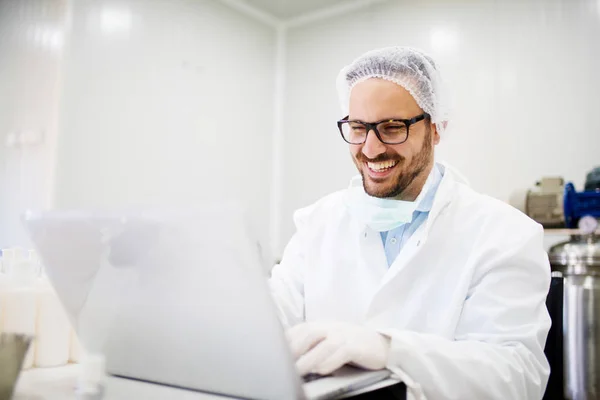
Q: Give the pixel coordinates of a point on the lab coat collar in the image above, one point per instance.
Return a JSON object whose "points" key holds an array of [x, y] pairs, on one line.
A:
{"points": [[445, 193], [433, 182]]}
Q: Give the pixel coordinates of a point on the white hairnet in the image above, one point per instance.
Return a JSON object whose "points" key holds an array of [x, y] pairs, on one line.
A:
{"points": [[410, 68]]}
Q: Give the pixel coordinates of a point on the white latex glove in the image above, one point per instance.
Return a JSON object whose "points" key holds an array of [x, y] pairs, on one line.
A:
{"points": [[323, 347]]}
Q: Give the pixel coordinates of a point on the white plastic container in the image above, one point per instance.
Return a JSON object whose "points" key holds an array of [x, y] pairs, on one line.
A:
{"points": [[53, 329], [20, 303]]}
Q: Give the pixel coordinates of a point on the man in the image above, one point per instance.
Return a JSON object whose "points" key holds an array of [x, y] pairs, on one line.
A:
{"points": [[409, 269]]}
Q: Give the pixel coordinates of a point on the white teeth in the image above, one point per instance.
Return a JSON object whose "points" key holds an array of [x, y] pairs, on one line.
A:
{"points": [[380, 166]]}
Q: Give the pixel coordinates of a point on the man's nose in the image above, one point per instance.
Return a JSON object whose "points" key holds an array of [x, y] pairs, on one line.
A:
{"points": [[373, 147]]}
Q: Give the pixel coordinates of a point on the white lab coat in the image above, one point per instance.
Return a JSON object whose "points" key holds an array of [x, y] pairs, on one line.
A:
{"points": [[463, 303]]}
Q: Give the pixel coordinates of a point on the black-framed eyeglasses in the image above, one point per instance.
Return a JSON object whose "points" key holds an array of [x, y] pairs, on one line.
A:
{"points": [[388, 131]]}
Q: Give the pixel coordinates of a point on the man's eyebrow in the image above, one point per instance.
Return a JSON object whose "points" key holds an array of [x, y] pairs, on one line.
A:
{"points": [[378, 121]]}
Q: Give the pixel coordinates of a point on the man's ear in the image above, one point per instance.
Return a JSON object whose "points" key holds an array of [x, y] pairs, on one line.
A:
{"points": [[436, 134]]}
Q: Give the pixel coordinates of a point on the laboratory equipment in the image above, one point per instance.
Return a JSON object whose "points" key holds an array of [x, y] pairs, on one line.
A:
{"points": [[577, 262], [592, 181], [580, 204], [544, 202]]}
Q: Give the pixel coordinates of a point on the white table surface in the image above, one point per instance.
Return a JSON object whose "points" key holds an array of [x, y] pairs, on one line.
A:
{"points": [[59, 384], [47, 383]]}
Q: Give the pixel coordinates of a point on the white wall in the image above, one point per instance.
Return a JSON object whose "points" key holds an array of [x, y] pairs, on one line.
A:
{"points": [[31, 37], [171, 102], [166, 102], [524, 77]]}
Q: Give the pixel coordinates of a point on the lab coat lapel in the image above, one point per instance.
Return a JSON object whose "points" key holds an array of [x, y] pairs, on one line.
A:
{"points": [[372, 253], [443, 198]]}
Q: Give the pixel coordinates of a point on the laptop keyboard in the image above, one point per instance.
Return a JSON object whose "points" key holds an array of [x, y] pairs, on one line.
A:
{"points": [[313, 377]]}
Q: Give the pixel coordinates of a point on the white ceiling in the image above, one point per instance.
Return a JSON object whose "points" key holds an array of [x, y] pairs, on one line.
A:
{"points": [[288, 9]]}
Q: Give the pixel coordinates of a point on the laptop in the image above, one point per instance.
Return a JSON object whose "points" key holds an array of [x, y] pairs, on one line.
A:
{"points": [[177, 299]]}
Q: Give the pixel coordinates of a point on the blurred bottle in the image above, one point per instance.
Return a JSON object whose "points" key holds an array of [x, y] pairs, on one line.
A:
{"points": [[20, 301], [53, 329]]}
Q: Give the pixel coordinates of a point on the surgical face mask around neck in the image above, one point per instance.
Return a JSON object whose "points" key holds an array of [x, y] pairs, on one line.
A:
{"points": [[380, 214]]}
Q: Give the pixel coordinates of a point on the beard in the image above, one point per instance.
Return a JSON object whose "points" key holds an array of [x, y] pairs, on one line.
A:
{"points": [[406, 174]]}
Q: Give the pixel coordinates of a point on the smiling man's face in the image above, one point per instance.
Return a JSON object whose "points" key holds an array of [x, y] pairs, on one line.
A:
{"points": [[398, 170]]}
